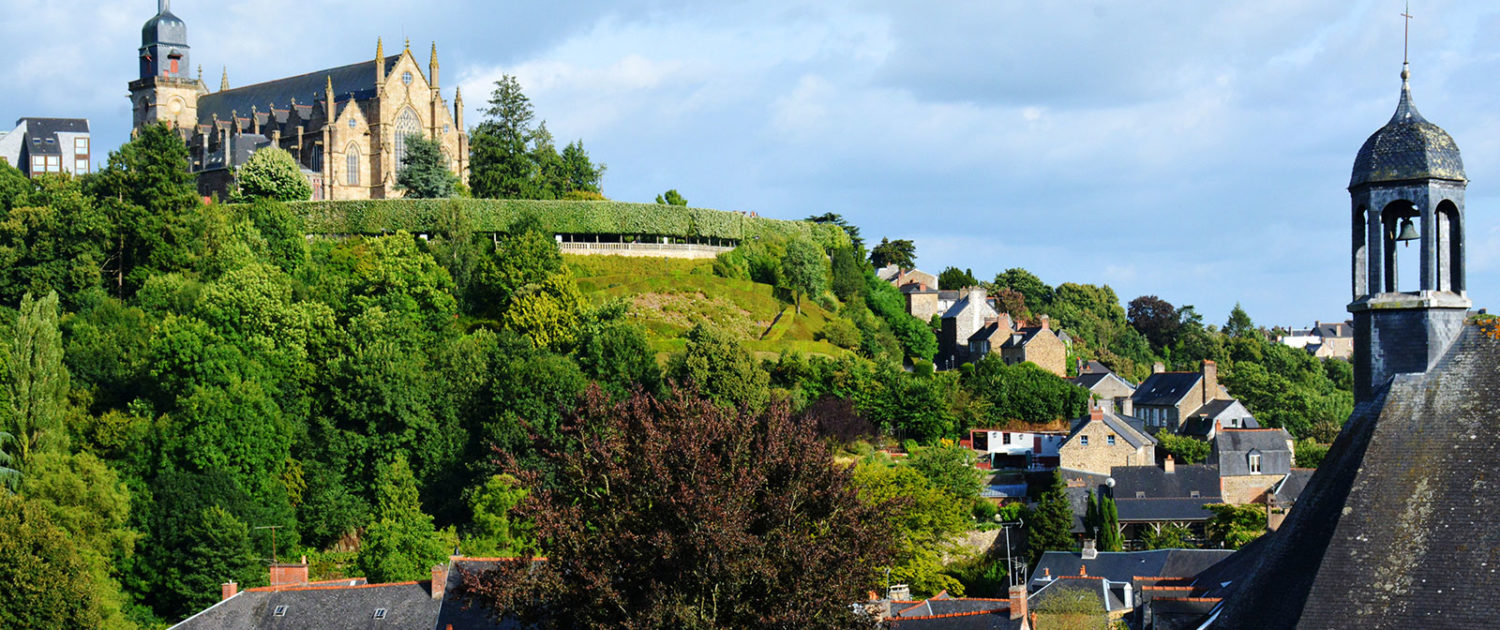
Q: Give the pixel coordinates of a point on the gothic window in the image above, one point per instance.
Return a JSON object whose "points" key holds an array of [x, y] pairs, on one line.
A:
{"points": [[351, 165], [406, 125], [406, 78]]}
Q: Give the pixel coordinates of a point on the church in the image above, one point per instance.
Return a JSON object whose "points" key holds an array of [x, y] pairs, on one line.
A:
{"points": [[346, 126]]}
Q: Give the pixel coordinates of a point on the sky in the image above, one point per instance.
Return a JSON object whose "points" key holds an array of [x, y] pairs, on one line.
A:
{"points": [[1196, 151]]}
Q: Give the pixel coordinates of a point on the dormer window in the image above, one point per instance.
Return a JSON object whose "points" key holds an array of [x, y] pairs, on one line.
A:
{"points": [[1140, 494], [1254, 460], [1193, 494]]}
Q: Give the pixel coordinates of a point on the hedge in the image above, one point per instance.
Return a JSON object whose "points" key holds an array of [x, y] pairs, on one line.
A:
{"points": [[563, 217]]}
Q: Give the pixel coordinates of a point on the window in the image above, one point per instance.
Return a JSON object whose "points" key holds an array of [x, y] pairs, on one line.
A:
{"points": [[80, 166], [173, 69], [351, 165], [279, 612], [54, 164], [1110, 440], [1083, 439], [1005, 438], [406, 78], [1254, 463], [1140, 494], [38, 164], [81, 146], [1193, 494], [353, 123], [445, 128], [380, 613], [406, 125]]}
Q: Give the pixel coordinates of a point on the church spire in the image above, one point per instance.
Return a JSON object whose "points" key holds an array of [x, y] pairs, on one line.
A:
{"points": [[379, 62], [432, 67], [224, 80]]}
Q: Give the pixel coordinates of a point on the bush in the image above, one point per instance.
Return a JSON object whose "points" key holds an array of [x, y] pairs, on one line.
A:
{"points": [[840, 332], [271, 173], [984, 511]]}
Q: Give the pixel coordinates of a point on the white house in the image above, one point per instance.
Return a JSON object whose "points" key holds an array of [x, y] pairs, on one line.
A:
{"points": [[1036, 450]]}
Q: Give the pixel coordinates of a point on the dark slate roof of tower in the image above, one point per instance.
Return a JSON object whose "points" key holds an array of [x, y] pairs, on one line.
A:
{"points": [[356, 80], [164, 28], [1395, 529], [1407, 148]]}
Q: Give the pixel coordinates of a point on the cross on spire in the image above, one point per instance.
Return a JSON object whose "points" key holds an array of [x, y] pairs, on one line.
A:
{"points": [[1406, 35]]}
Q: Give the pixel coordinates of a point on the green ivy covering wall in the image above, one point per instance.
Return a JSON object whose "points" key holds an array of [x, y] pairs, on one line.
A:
{"points": [[564, 217]]}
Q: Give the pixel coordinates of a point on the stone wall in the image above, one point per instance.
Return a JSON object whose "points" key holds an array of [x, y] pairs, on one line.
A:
{"points": [[1099, 456], [1242, 489]]}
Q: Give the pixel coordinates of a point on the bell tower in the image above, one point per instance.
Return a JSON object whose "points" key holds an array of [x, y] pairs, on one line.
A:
{"points": [[1407, 185], [165, 92]]}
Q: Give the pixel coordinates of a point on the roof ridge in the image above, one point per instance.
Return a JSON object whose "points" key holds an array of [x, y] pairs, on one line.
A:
{"points": [[950, 615], [387, 59], [327, 587]]}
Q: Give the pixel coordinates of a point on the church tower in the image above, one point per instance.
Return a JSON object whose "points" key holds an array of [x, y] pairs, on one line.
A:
{"points": [[165, 92], [1408, 185]]}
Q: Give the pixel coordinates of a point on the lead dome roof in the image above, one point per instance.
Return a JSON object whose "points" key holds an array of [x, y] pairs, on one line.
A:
{"points": [[1407, 148]]}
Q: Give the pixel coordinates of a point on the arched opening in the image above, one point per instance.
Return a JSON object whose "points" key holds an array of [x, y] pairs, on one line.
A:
{"points": [[1402, 269], [351, 165], [407, 124], [1450, 245], [1361, 227]]}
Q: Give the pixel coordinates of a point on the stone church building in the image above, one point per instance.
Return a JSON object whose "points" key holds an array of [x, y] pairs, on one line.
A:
{"points": [[347, 126]]}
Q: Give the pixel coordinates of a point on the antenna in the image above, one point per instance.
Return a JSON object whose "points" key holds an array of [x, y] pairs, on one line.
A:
{"points": [[273, 529], [1406, 35]]}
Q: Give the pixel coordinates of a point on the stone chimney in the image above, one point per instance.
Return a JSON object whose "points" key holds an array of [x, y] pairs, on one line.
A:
{"points": [[288, 574], [1018, 602], [899, 592], [1169, 465], [439, 580], [1210, 381], [1046, 323], [228, 590], [1158, 368], [1127, 406], [1090, 549]]}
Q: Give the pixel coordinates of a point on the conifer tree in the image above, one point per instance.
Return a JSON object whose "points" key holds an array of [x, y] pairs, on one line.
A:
{"points": [[1049, 525], [424, 171], [38, 382], [401, 542]]}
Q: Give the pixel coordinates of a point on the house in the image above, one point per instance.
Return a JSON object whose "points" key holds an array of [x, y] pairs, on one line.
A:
{"points": [[1166, 399], [1230, 414], [1134, 578], [1034, 450], [292, 602], [40, 146], [969, 314], [1106, 388], [1250, 462], [1105, 440], [1324, 340], [1155, 496], [924, 301], [1038, 345], [993, 335], [942, 612], [899, 277]]}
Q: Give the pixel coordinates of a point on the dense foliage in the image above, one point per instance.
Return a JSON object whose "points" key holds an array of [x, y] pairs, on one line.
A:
{"points": [[271, 173], [512, 158], [424, 172]]}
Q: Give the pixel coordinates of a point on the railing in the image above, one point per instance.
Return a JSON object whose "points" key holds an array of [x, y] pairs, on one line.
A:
{"points": [[643, 247]]}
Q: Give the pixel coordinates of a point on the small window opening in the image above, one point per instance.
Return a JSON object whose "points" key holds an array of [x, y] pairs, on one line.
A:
{"points": [[280, 612], [1140, 494], [380, 613]]}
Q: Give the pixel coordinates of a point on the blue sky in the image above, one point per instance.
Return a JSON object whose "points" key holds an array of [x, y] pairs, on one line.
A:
{"points": [[1197, 151]]}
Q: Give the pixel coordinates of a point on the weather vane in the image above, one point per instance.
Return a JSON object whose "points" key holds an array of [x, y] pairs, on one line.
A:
{"points": [[1406, 36]]}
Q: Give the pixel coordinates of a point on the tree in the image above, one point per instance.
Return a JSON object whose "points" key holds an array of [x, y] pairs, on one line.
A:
{"points": [[1185, 450], [720, 368], [949, 468], [1071, 609], [1037, 294], [145, 190], [500, 165], [546, 312], [424, 170], [1008, 300], [856, 242], [671, 198], [400, 542], [271, 173], [1239, 325], [686, 536], [38, 385], [47, 583], [1049, 524], [805, 270], [1234, 526], [1155, 318], [1166, 536], [901, 253], [220, 552], [953, 279], [924, 521], [848, 274], [496, 531], [1110, 538], [580, 173], [1310, 453]]}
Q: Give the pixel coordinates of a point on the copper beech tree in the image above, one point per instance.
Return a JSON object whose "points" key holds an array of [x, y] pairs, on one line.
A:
{"points": [[676, 512]]}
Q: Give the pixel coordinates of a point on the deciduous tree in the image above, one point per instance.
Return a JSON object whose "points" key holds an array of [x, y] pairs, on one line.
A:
{"points": [[805, 270], [400, 542], [901, 253], [271, 173], [37, 387], [671, 198]]}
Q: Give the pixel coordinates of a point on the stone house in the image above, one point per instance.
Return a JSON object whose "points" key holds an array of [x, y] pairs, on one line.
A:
{"points": [[1107, 390], [966, 317], [1037, 344], [1150, 497], [923, 301], [995, 332], [906, 277], [1325, 340], [1251, 462], [1166, 399], [1206, 421], [1103, 441]]}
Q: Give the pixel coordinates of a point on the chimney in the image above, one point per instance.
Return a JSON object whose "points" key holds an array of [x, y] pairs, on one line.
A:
{"points": [[1127, 406], [1210, 381], [1169, 465], [1046, 323], [287, 574], [1158, 368], [1129, 597], [1218, 426], [1083, 570], [228, 590], [439, 580], [1017, 602], [1081, 364], [899, 592], [1047, 574], [1090, 549], [1096, 413]]}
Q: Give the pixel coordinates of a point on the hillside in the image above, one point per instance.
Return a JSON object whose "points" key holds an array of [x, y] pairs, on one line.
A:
{"points": [[669, 296]]}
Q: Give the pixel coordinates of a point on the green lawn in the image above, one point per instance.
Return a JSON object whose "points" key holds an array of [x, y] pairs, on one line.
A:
{"points": [[669, 296]]}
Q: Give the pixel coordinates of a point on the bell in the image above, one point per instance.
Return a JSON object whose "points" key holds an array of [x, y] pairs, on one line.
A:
{"points": [[1408, 232]]}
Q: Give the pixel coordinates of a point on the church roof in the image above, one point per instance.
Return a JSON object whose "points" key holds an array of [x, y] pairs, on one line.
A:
{"points": [[1406, 148], [164, 28], [1395, 527], [356, 80]]}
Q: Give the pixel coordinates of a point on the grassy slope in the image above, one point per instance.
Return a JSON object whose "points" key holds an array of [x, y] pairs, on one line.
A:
{"points": [[668, 296]]}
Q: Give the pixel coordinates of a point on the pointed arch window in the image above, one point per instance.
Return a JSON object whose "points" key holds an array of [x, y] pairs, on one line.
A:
{"points": [[351, 165], [407, 124]]}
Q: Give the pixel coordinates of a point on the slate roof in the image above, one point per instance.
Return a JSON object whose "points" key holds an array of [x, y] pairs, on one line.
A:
{"points": [[1286, 491], [1091, 584], [944, 605], [41, 133], [1078, 493], [323, 607], [1233, 446], [164, 28], [1123, 566], [1094, 367], [1386, 535], [1167, 496], [1166, 388], [1406, 148], [990, 330], [1022, 336], [999, 620], [356, 80], [1334, 329], [1089, 380], [963, 304], [1129, 429], [1180, 613]]}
